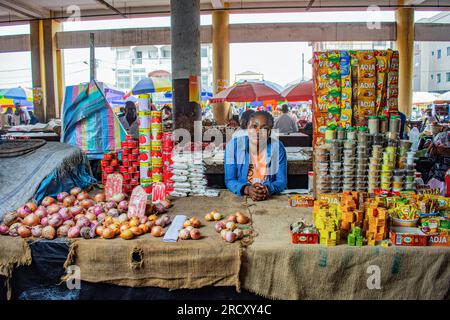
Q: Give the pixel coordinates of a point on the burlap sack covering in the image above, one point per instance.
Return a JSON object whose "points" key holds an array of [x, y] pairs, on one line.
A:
{"points": [[275, 268], [148, 261], [14, 252]]}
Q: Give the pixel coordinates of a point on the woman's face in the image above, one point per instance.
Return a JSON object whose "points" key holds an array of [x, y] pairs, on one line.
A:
{"points": [[258, 129]]}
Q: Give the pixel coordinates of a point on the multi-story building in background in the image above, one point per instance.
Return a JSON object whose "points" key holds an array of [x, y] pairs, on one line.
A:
{"points": [[135, 63], [432, 61], [351, 45]]}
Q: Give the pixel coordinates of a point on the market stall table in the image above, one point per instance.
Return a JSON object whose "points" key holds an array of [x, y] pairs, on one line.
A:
{"points": [[296, 139], [270, 266]]}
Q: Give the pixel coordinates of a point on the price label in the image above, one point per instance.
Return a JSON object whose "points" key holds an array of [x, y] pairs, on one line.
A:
{"points": [[138, 202], [158, 192], [114, 183]]}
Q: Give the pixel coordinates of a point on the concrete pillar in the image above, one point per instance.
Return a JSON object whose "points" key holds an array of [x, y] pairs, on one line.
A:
{"points": [[221, 62], [405, 46], [47, 68], [186, 61]]}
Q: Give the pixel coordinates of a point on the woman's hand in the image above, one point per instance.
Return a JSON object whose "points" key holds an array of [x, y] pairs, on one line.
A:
{"points": [[257, 192]]}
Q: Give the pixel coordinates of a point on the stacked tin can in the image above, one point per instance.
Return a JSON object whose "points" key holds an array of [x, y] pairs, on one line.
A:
{"points": [[156, 146], [130, 164], [322, 161], [374, 168], [167, 149], [362, 159], [335, 169], [349, 163], [109, 164], [410, 171], [387, 167], [144, 120]]}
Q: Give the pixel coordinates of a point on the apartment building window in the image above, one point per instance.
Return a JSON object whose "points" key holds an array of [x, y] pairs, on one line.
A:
{"points": [[204, 52], [432, 76], [153, 53], [438, 78], [439, 53], [123, 54], [138, 59], [448, 51], [432, 53], [165, 52], [447, 76]]}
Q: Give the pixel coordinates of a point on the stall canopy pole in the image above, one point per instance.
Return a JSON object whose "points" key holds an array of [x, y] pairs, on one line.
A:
{"points": [[93, 75]]}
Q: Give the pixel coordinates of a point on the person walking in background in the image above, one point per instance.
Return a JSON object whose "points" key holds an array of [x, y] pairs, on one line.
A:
{"points": [[10, 116], [285, 123], [129, 120]]}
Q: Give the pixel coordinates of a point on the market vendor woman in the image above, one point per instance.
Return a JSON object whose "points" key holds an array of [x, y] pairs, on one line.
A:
{"points": [[255, 164]]}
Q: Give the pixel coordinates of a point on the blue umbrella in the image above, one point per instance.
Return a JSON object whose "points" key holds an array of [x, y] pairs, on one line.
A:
{"points": [[15, 93], [124, 101], [150, 85], [206, 93]]}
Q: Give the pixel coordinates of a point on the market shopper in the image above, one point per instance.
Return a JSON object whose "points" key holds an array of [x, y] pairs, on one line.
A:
{"points": [[129, 120], [255, 164], [285, 123], [245, 117], [234, 122]]}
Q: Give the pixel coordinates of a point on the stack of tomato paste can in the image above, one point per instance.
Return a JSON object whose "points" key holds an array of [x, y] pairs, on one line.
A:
{"points": [[130, 164], [144, 121], [156, 146], [167, 148], [109, 164]]}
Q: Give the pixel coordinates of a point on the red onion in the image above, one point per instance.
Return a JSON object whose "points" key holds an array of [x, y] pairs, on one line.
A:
{"points": [[36, 231], [160, 222], [53, 208], [48, 233], [75, 191], [110, 205], [78, 216], [63, 230], [13, 229], [219, 226], [23, 211], [94, 224], [55, 220], [159, 208], [113, 213], [85, 232], [123, 217], [91, 216], [31, 220], [61, 196], [98, 209], [69, 201], [31, 205], [69, 223], [24, 231], [44, 221], [76, 210], [4, 229], [83, 196], [230, 236], [47, 201], [118, 197], [101, 217], [65, 214], [86, 203], [10, 218], [73, 232], [83, 222], [41, 212], [166, 219], [100, 197], [123, 206]]}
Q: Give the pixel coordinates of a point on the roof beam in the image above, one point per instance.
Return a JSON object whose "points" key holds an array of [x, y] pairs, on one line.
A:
{"points": [[217, 4], [111, 7], [25, 10]]}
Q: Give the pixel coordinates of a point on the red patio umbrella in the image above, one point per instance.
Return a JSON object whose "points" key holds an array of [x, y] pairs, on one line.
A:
{"points": [[247, 91], [302, 91]]}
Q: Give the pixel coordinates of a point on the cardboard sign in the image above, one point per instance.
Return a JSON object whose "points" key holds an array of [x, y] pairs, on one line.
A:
{"points": [[159, 192], [114, 183], [138, 202]]}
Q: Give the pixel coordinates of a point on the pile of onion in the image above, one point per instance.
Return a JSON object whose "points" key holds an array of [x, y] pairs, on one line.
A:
{"points": [[75, 214]]}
